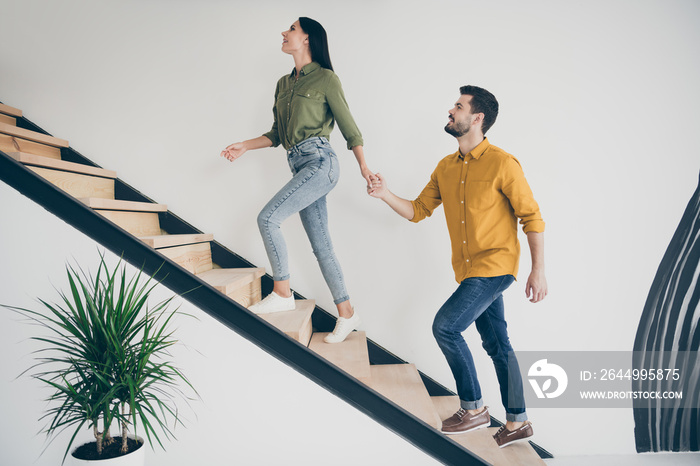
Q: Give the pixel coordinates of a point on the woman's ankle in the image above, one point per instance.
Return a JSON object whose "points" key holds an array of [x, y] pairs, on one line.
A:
{"points": [[282, 289], [345, 310]]}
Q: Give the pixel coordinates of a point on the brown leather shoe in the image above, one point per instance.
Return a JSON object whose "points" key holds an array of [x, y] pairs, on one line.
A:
{"points": [[505, 437], [462, 421]]}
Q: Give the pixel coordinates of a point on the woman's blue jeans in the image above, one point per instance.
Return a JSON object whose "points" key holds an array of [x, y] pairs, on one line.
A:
{"points": [[480, 300], [316, 170]]}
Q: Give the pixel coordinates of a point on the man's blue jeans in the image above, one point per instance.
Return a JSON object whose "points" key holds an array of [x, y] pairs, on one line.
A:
{"points": [[480, 300]]}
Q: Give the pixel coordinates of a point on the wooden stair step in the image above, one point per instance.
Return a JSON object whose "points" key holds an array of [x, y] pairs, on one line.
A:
{"points": [[351, 355], [9, 115], [138, 218], [165, 241], [137, 223], [8, 120], [77, 185], [402, 384], [195, 258], [229, 280], [14, 144], [48, 162], [11, 130], [131, 206], [297, 323], [241, 285], [7, 110], [481, 441]]}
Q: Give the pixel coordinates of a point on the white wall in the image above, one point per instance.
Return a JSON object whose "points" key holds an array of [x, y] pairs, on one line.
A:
{"points": [[598, 102]]}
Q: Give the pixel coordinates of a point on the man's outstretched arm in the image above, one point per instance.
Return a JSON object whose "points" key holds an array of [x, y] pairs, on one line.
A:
{"points": [[401, 206]]}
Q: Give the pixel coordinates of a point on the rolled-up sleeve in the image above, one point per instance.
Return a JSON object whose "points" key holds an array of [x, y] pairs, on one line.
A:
{"points": [[341, 112], [516, 188], [273, 134], [428, 200]]}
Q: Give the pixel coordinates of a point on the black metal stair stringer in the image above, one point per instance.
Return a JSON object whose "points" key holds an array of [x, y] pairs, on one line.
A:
{"points": [[233, 315]]}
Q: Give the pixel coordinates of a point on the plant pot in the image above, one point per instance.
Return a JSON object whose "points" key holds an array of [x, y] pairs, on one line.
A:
{"points": [[135, 458]]}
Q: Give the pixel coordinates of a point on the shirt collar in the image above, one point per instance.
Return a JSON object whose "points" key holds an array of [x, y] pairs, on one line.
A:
{"points": [[478, 151], [308, 69]]}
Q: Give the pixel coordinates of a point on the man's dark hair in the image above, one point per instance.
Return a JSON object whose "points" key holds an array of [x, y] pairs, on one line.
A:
{"points": [[482, 102]]}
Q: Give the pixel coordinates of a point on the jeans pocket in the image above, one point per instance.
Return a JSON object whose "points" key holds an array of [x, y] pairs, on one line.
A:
{"points": [[328, 157], [310, 151], [310, 147], [333, 169]]}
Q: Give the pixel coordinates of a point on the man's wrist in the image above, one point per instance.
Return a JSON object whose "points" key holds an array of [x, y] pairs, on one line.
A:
{"points": [[387, 196]]}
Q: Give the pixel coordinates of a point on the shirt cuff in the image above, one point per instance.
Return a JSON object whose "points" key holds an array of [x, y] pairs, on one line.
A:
{"points": [[273, 137], [355, 141], [418, 213], [536, 226]]}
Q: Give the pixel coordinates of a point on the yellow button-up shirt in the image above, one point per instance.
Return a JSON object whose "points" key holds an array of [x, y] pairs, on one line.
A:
{"points": [[484, 193]]}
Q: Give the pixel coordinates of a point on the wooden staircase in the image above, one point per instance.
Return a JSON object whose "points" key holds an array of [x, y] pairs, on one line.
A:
{"points": [[95, 188]]}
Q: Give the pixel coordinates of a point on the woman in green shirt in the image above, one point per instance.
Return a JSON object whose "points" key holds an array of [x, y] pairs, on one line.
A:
{"points": [[308, 103]]}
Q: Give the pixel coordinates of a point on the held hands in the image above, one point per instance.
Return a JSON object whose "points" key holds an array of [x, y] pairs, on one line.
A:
{"points": [[401, 206], [368, 176], [377, 187], [234, 151]]}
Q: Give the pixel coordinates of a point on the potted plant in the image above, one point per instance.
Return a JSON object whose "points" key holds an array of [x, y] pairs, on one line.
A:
{"points": [[106, 359]]}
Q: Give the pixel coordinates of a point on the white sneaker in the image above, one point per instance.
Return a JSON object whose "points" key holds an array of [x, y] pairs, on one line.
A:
{"points": [[273, 303], [343, 328]]}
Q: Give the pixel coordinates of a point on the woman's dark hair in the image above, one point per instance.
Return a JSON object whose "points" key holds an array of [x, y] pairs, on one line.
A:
{"points": [[318, 42], [482, 102]]}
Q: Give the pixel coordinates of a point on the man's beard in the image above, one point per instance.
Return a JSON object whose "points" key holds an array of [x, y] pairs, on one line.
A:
{"points": [[456, 129]]}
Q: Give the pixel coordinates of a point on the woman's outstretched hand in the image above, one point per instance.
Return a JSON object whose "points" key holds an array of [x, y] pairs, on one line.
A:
{"points": [[368, 176], [234, 151]]}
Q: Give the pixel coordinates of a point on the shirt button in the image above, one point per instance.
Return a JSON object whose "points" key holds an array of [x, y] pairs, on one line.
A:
{"points": [[462, 202], [462, 221], [465, 243], [467, 260]]}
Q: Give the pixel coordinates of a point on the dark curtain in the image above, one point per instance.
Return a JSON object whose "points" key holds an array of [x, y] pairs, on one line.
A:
{"points": [[668, 336]]}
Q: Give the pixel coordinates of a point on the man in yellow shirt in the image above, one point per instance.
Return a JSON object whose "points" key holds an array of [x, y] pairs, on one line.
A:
{"points": [[484, 193]]}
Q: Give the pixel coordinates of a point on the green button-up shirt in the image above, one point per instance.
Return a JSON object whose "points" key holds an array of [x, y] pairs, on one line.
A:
{"points": [[309, 106]]}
